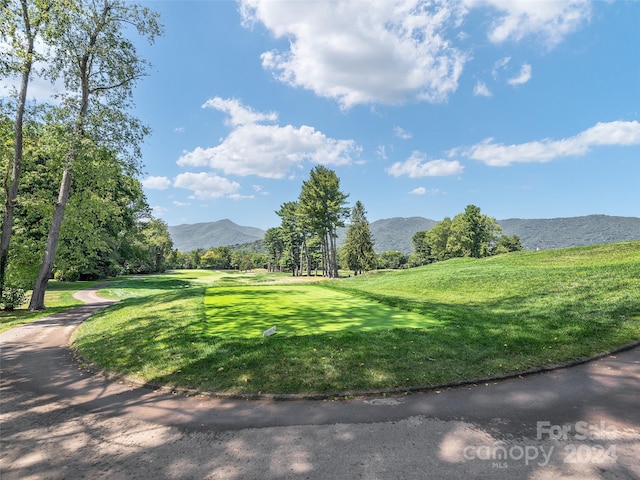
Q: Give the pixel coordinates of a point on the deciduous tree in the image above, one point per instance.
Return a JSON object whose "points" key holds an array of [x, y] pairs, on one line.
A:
{"points": [[22, 24], [99, 65]]}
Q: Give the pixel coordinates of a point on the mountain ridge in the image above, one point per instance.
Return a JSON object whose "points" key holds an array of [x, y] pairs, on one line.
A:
{"points": [[396, 233]]}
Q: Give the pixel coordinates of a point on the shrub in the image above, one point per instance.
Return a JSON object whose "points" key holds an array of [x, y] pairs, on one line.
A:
{"points": [[12, 298]]}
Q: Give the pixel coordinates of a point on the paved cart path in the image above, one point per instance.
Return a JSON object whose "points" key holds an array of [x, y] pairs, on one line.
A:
{"points": [[58, 421]]}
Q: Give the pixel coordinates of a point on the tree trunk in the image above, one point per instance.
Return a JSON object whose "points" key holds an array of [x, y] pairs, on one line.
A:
{"points": [[11, 190], [306, 255], [325, 256], [40, 287], [334, 259]]}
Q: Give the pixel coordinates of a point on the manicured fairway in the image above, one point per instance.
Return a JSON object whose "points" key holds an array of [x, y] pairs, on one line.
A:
{"points": [[451, 321], [247, 311]]}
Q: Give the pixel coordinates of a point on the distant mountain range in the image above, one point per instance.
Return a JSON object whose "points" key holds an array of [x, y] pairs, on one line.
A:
{"points": [[188, 237], [396, 233]]}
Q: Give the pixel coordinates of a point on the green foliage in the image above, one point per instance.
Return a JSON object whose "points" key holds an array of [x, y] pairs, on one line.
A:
{"points": [[321, 208], [509, 243], [291, 236], [12, 297], [102, 234], [357, 252], [218, 258], [392, 259], [421, 250], [275, 248], [469, 234]]}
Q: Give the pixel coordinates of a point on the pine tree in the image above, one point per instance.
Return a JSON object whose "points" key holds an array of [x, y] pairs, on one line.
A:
{"points": [[358, 248]]}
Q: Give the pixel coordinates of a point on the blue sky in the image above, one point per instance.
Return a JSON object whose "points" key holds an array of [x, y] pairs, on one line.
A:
{"points": [[525, 109]]}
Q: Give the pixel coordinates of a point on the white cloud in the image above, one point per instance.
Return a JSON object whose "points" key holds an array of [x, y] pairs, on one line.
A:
{"points": [[523, 77], [500, 64], [549, 21], [482, 90], [269, 151], [363, 52], [156, 183], [259, 189], [158, 211], [206, 185], [181, 204], [238, 113], [416, 167], [40, 89], [381, 152], [401, 133], [620, 133], [424, 191]]}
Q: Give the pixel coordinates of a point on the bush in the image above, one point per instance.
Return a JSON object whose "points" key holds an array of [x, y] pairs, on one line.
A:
{"points": [[12, 298], [69, 275]]}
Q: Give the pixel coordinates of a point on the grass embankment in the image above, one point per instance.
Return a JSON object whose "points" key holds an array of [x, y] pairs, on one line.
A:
{"points": [[59, 297], [450, 321]]}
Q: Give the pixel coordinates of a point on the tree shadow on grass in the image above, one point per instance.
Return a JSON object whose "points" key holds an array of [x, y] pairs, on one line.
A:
{"points": [[168, 345], [246, 311]]}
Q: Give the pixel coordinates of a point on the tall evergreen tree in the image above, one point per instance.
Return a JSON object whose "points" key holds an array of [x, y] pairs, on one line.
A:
{"points": [[275, 248], [358, 247], [290, 235], [322, 205]]}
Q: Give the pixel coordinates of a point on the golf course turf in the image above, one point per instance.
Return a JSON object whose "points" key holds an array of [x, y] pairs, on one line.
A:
{"points": [[446, 322]]}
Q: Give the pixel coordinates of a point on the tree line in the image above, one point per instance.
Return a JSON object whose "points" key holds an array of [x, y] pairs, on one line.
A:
{"points": [[305, 241], [73, 207]]}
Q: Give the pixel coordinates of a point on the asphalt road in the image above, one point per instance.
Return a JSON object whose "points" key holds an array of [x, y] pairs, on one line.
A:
{"points": [[58, 421]]}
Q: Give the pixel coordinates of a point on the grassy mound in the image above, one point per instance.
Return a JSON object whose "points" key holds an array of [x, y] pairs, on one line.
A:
{"points": [[450, 321]]}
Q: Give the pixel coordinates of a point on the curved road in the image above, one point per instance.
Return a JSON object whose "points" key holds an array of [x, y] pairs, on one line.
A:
{"points": [[58, 421]]}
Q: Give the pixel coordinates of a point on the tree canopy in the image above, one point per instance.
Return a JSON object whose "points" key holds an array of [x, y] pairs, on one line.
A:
{"points": [[357, 252], [97, 222], [469, 234]]}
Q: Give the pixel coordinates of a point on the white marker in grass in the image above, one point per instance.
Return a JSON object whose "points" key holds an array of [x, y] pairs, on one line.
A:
{"points": [[269, 332]]}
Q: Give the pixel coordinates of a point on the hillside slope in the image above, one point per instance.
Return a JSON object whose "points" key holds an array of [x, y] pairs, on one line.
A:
{"points": [[396, 233], [571, 232], [188, 237]]}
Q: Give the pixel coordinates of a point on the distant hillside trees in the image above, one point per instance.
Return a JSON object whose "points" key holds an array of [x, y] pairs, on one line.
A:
{"points": [[392, 259], [469, 234], [357, 252], [234, 257]]}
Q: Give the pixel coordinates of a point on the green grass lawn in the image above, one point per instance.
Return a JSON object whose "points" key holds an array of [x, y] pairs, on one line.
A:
{"points": [[299, 310], [450, 321]]}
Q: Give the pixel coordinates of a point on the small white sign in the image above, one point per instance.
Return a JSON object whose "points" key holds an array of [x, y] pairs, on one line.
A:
{"points": [[269, 332]]}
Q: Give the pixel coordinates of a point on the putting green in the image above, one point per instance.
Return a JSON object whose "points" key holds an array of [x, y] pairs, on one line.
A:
{"points": [[247, 311]]}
